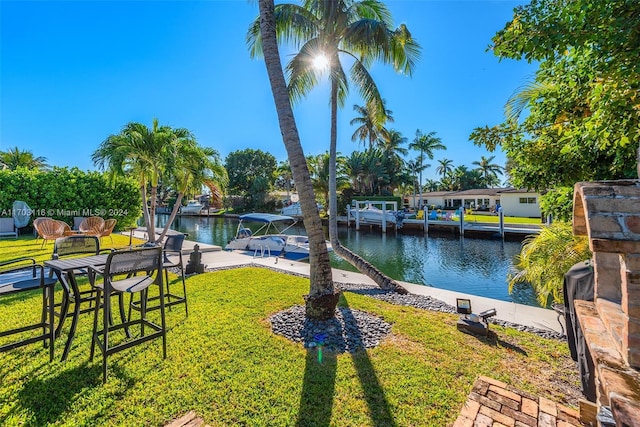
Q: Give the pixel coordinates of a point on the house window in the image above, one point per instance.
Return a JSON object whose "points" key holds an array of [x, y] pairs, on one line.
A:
{"points": [[528, 200]]}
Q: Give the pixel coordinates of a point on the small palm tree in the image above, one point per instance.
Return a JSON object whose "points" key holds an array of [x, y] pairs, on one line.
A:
{"points": [[546, 257], [148, 153], [191, 168], [285, 176], [393, 152], [15, 158], [354, 169], [319, 170]]}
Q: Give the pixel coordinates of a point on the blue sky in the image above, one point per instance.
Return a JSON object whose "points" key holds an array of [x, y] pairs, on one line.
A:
{"points": [[74, 72]]}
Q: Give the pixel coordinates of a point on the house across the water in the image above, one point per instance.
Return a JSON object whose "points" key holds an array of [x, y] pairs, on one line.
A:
{"points": [[513, 201]]}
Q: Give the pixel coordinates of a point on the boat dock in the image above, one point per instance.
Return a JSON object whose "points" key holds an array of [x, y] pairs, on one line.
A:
{"points": [[459, 228]]}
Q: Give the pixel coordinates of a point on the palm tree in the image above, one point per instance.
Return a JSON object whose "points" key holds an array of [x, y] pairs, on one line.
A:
{"points": [[393, 153], [15, 158], [145, 153], [322, 298], [285, 176], [488, 170], [414, 168], [354, 169], [359, 30], [371, 127], [445, 167], [191, 168], [319, 170], [546, 257], [425, 144], [403, 190], [375, 172]]}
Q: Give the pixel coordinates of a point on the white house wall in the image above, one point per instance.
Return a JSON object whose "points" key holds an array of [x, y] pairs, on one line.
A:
{"points": [[512, 206]]}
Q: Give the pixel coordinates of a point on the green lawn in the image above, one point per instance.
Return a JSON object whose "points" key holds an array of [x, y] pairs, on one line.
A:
{"points": [[224, 363]]}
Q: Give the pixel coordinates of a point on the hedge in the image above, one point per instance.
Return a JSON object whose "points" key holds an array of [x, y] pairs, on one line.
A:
{"points": [[64, 193]]}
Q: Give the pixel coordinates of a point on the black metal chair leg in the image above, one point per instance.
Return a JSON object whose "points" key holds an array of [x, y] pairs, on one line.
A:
{"points": [[94, 336]]}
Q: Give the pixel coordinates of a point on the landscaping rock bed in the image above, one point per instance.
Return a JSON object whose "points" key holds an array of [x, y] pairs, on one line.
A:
{"points": [[349, 331]]}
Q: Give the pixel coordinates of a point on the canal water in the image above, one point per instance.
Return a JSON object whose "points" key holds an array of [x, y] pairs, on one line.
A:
{"points": [[470, 265]]}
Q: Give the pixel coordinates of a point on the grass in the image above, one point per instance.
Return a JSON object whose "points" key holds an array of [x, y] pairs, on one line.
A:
{"points": [[224, 363]]}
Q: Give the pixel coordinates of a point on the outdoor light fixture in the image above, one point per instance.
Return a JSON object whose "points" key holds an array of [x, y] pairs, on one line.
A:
{"points": [[487, 314], [469, 322], [464, 305]]}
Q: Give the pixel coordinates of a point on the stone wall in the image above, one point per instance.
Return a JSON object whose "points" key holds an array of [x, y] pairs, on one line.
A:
{"points": [[608, 212]]}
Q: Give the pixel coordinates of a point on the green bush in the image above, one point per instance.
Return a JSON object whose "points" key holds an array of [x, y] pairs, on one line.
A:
{"points": [[559, 203], [546, 257], [64, 193]]}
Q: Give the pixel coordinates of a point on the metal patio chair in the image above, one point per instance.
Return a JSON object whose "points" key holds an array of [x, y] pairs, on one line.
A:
{"points": [[127, 271], [24, 275], [172, 258]]}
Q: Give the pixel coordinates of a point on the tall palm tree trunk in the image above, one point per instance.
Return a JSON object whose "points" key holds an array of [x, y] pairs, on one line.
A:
{"points": [[323, 298], [352, 258], [420, 182]]}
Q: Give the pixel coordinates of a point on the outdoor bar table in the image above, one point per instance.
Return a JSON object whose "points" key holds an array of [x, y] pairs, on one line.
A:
{"points": [[65, 270]]}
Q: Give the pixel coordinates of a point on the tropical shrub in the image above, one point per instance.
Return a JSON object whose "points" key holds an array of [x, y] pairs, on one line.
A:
{"points": [[63, 193], [546, 257], [559, 203]]}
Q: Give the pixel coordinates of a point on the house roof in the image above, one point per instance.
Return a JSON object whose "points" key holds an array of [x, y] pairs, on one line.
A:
{"points": [[479, 192], [437, 193], [519, 191], [491, 192]]}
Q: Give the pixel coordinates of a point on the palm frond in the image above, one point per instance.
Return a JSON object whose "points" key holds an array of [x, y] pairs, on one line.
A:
{"points": [[371, 9], [302, 75], [404, 51], [522, 97], [546, 257], [368, 89]]}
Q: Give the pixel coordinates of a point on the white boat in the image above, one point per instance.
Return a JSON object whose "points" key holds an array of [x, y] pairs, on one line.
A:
{"points": [[373, 215], [271, 238], [293, 209], [193, 208]]}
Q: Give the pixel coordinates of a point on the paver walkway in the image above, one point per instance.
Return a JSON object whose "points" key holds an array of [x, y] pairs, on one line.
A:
{"points": [[493, 403]]}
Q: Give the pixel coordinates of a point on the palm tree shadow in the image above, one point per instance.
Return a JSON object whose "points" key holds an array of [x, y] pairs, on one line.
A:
{"points": [[374, 394], [316, 401]]}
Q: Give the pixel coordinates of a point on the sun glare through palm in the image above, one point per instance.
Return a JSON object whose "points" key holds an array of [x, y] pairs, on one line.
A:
{"points": [[320, 62]]}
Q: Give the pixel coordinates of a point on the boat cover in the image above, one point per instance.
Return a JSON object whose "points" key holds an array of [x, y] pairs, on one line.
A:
{"points": [[265, 217]]}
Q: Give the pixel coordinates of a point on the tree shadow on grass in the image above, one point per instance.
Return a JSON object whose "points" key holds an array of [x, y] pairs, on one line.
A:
{"points": [[374, 394], [316, 401], [50, 398]]}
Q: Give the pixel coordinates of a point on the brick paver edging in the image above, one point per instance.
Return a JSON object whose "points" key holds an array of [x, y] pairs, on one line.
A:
{"points": [[493, 403]]}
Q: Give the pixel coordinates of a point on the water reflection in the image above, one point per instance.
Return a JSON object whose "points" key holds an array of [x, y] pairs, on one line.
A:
{"points": [[474, 266]]}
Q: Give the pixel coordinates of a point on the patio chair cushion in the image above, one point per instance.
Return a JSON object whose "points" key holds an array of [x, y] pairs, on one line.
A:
{"points": [[7, 228]]}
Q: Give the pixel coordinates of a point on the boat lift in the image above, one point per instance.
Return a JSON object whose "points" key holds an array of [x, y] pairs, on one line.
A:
{"points": [[360, 204]]}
